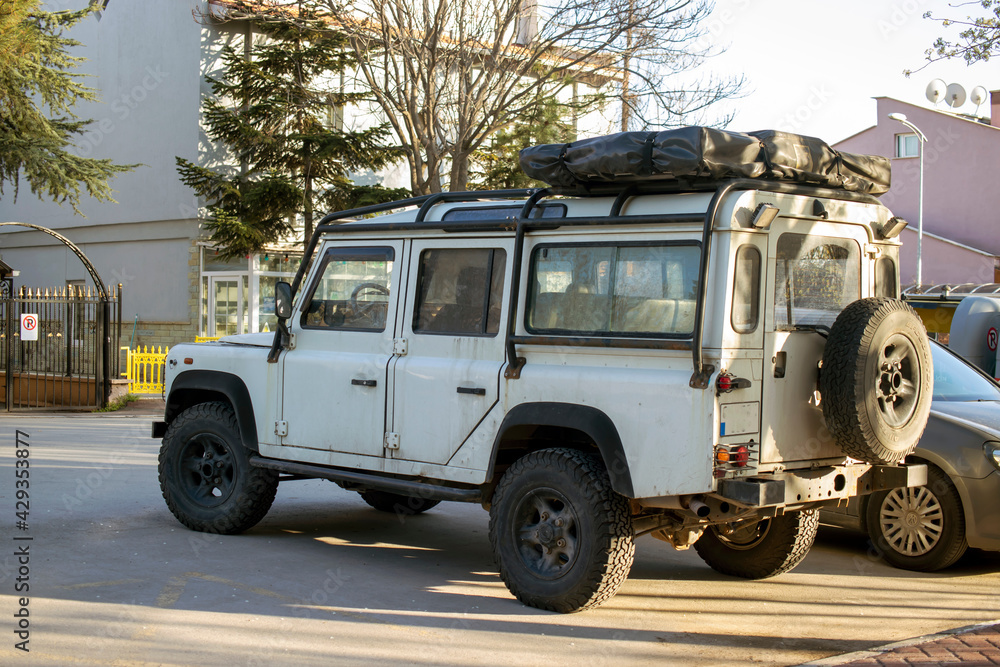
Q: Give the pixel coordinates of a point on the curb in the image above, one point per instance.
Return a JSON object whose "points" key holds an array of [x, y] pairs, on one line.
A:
{"points": [[881, 650]]}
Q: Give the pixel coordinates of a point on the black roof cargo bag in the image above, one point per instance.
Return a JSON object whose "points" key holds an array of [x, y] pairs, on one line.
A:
{"points": [[702, 153]]}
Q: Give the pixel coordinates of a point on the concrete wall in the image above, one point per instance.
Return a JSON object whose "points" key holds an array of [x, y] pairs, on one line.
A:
{"points": [[961, 197], [944, 262]]}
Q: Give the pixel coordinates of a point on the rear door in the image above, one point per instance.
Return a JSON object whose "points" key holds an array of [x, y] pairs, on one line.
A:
{"points": [[449, 377]]}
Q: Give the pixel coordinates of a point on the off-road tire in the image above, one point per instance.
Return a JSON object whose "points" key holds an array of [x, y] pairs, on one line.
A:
{"points": [[876, 380], [561, 500], [759, 550], [397, 504], [205, 473], [918, 528]]}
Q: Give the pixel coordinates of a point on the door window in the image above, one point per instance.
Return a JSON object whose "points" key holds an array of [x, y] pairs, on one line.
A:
{"points": [[816, 277], [351, 290], [459, 291]]}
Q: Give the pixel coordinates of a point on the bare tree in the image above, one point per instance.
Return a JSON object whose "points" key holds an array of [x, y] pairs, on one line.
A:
{"points": [[448, 74]]}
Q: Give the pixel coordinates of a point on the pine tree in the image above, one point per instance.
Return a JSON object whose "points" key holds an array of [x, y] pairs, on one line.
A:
{"points": [[498, 168], [38, 90], [272, 111]]}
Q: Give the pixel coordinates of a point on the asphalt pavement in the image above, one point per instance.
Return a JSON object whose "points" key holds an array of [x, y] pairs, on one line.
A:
{"points": [[114, 579]]}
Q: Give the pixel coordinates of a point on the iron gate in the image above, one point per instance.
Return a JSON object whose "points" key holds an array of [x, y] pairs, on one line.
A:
{"points": [[71, 364]]}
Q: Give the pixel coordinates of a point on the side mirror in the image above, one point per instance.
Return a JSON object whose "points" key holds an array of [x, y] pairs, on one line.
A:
{"points": [[283, 300]]}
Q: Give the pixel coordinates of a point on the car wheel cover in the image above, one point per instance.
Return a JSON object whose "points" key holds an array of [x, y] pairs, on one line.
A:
{"points": [[546, 533], [911, 520], [207, 470]]}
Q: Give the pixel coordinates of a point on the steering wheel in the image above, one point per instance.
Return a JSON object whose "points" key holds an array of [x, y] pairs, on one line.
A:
{"points": [[360, 310]]}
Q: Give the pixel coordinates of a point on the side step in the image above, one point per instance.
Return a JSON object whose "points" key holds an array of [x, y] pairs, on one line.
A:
{"points": [[375, 482]]}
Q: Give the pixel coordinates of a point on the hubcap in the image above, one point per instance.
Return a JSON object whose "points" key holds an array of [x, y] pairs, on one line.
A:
{"points": [[546, 533], [895, 385], [911, 520], [207, 470]]}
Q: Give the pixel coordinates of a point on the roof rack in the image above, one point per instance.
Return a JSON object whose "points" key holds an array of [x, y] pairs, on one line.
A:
{"points": [[950, 292]]}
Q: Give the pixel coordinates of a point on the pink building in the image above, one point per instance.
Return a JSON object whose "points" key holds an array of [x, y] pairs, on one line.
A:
{"points": [[961, 240]]}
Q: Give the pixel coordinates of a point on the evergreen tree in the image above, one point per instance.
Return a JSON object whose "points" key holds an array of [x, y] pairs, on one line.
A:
{"points": [[497, 167], [273, 112], [38, 90]]}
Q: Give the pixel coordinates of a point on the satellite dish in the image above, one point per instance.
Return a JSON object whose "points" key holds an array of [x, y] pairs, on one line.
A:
{"points": [[978, 96], [955, 95], [936, 90]]}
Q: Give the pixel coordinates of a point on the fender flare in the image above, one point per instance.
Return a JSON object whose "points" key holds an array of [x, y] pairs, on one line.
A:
{"points": [[588, 420], [214, 382]]}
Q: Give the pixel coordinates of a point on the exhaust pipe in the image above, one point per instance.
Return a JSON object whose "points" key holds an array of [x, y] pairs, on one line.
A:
{"points": [[698, 507]]}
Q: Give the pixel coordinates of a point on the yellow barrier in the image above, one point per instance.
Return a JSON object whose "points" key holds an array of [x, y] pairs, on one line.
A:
{"points": [[206, 339], [144, 370]]}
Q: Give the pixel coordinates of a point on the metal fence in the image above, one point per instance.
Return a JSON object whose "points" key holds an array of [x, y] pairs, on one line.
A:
{"points": [[145, 368], [71, 363]]}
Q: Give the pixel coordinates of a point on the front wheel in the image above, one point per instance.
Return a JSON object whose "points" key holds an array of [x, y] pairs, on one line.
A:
{"points": [[919, 528], [759, 549], [561, 536], [205, 473]]}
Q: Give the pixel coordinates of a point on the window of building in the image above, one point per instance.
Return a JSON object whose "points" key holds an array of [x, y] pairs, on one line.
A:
{"points": [[619, 290], [907, 145], [351, 291], [460, 291]]}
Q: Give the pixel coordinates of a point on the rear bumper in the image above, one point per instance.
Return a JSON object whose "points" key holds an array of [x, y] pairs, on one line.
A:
{"points": [[802, 487]]}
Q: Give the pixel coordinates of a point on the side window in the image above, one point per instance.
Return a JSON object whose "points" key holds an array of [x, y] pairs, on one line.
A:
{"points": [[815, 278], [746, 289], [460, 291], [885, 278], [637, 290], [351, 290]]}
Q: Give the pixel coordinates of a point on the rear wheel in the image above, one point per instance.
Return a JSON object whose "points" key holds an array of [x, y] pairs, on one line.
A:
{"points": [[759, 549], [561, 536], [384, 501], [919, 528]]}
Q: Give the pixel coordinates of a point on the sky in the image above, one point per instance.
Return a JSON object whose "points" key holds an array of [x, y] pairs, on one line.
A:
{"points": [[814, 67]]}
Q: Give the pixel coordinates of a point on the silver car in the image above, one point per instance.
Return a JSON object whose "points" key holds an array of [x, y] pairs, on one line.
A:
{"points": [[929, 527]]}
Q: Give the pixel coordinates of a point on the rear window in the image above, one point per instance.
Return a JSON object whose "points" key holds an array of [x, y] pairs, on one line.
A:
{"points": [[614, 290], [815, 278]]}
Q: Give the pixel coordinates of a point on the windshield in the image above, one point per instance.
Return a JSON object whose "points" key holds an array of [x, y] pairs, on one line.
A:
{"points": [[956, 380]]}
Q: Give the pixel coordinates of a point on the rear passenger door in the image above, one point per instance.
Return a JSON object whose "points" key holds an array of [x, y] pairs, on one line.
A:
{"points": [[452, 323]]}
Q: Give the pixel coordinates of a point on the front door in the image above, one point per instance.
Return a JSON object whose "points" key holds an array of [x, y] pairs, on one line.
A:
{"points": [[449, 378], [334, 379], [227, 306]]}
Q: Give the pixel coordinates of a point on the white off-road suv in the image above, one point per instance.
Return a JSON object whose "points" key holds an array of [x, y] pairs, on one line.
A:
{"points": [[705, 360]]}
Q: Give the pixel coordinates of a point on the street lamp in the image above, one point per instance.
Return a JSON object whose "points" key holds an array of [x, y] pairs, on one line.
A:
{"points": [[920, 194]]}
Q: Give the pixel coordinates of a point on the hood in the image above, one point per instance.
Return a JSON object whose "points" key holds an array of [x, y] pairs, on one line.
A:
{"points": [[983, 416], [262, 339]]}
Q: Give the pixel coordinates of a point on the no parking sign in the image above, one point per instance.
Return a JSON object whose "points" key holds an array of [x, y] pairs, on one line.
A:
{"points": [[29, 326]]}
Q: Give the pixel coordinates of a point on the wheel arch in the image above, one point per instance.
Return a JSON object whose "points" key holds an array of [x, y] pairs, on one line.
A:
{"points": [[201, 386], [520, 428]]}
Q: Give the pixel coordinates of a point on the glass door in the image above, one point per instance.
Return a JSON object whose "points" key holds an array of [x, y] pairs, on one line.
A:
{"points": [[227, 307]]}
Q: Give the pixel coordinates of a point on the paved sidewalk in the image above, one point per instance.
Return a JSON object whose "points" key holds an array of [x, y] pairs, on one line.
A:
{"points": [[970, 645]]}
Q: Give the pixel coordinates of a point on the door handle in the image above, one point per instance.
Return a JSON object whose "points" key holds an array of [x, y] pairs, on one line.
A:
{"points": [[363, 383], [475, 391]]}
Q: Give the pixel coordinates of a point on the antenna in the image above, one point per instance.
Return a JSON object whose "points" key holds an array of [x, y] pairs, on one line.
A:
{"points": [[955, 95], [977, 97], [936, 90]]}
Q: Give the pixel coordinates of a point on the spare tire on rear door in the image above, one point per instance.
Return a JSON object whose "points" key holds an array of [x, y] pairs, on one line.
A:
{"points": [[876, 380]]}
